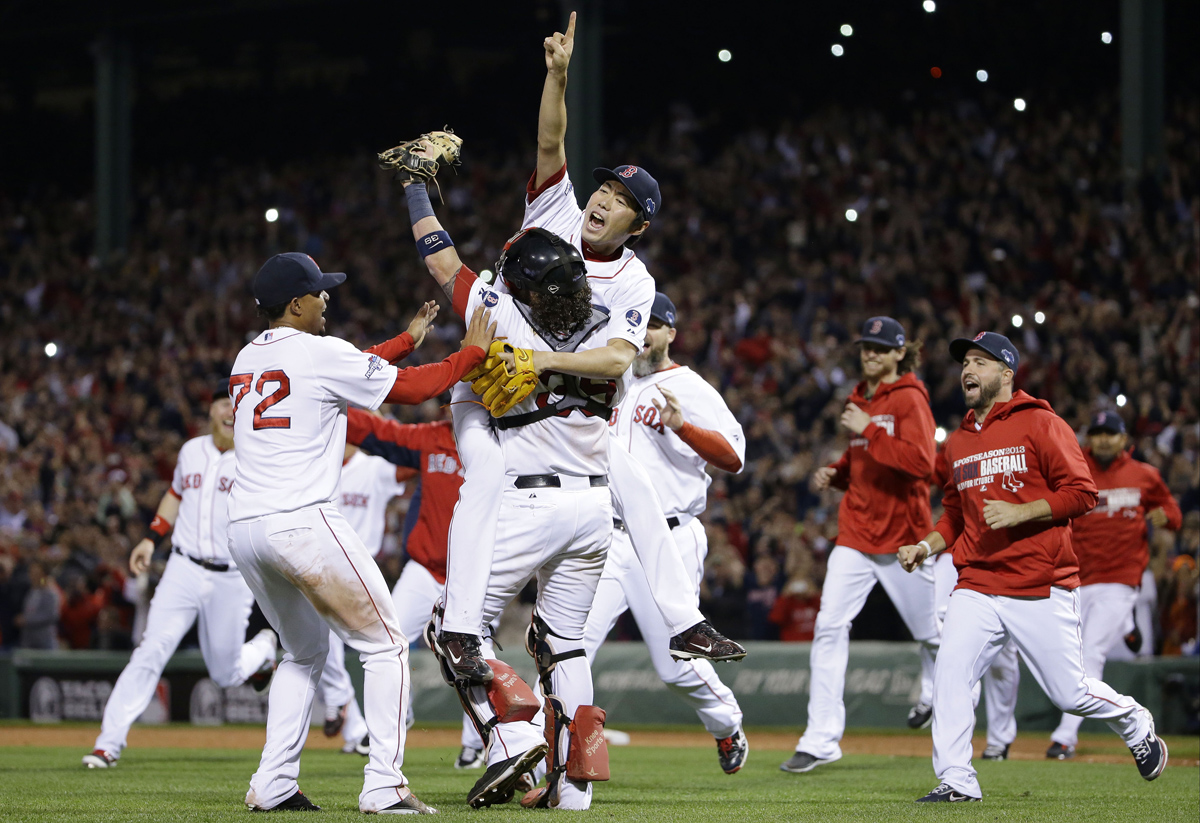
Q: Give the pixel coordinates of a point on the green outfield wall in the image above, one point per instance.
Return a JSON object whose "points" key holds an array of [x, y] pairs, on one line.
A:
{"points": [[882, 682]]}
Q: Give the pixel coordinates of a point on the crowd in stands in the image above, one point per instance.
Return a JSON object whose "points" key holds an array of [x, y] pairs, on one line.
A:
{"points": [[963, 220]]}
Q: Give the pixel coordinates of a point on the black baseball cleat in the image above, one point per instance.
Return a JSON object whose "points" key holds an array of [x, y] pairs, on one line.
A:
{"points": [[802, 762], [945, 794], [363, 746], [1150, 755], [469, 758], [335, 718], [409, 805], [296, 803], [1058, 751], [461, 654], [703, 641], [995, 752], [920, 716], [732, 752], [500, 780]]}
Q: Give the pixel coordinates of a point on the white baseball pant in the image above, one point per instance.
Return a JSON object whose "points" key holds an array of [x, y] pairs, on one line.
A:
{"points": [[1002, 681], [561, 536], [1047, 634], [414, 595], [1145, 606], [187, 593], [850, 575], [472, 539], [302, 566], [1107, 616], [624, 586], [336, 689]]}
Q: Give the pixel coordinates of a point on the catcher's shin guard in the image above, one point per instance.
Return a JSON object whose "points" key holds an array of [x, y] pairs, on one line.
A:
{"points": [[577, 745], [544, 647]]}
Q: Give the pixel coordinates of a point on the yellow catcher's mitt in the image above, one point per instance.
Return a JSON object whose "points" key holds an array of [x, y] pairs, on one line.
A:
{"points": [[499, 389], [419, 160]]}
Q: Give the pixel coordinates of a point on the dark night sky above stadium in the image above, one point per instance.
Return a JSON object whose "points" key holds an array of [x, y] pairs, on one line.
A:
{"points": [[246, 79]]}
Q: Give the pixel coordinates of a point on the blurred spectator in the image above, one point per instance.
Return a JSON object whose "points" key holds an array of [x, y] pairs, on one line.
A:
{"points": [[795, 610], [1179, 618], [38, 619]]}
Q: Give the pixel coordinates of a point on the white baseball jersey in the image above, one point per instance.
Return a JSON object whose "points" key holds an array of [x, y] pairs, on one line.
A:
{"points": [[623, 286], [575, 444], [677, 472], [367, 484], [203, 477], [290, 390]]}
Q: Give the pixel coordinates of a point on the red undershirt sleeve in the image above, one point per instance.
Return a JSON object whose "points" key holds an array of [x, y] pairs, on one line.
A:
{"points": [[711, 445], [463, 281], [417, 384], [396, 349], [532, 193]]}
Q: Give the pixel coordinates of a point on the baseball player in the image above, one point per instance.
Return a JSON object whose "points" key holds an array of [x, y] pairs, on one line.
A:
{"points": [[650, 424], [200, 583], [617, 214], [1113, 551], [1018, 476], [555, 515], [429, 449], [1002, 680], [290, 388], [885, 473], [367, 484]]}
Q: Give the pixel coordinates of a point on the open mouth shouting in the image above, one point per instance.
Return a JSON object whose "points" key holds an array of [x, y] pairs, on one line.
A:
{"points": [[595, 221]]}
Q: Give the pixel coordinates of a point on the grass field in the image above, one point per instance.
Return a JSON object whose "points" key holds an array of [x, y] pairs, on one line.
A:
{"points": [[650, 783]]}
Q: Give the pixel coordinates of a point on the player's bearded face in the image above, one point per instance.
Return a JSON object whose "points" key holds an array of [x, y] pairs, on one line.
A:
{"points": [[654, 352], [1106, 446], [220, 415], [981, 384], [879, 361]]}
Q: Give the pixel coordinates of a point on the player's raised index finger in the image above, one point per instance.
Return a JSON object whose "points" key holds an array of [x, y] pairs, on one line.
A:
{"points": [[571, 27]]}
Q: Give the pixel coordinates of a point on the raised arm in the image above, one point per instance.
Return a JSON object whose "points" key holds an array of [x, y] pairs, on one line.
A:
{"points": [[433, 242], [552, 114]]}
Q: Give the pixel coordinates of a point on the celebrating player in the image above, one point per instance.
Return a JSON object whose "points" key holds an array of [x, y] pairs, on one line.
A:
{"points": [[618, 212], [1018, 476], [199, 583], [427, 448], [885, 474], [1111, 544], [650, 424], [290, 389]]}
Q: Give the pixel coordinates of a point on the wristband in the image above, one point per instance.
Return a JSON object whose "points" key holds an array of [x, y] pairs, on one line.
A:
{"points": [[419, 206], [434, 242], [158, 529], [928, 548]]}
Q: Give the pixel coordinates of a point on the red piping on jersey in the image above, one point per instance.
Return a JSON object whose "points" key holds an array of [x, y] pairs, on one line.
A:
{"points": [[178, 496], [532, 193], [614, 274], [269, 342], [591, 254], [464, 279]]}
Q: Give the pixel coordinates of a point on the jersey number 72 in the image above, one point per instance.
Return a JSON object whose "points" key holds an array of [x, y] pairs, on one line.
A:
{"points": [[239, 385]]}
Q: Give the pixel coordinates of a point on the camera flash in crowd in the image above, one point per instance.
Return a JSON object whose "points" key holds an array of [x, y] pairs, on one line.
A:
{"points": [[1039, 318], [837, 49], [51, 349], [724, 55], [929, 6], [981, 76], [272, 215], [1018, 321], [939, 434], [1106, 37], [851, 215], [1019, 104], [846, 29], [1121, 401]]}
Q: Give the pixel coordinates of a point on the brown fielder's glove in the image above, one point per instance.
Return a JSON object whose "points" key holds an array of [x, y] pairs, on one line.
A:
{"points": [[499, 389], [420, 160]]}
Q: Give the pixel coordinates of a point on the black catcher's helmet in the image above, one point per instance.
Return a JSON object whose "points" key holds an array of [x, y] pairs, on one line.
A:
{"points": [[540, 261]]}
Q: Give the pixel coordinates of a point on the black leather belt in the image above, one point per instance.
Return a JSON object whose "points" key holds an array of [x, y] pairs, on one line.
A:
{"points": [[204, 564], [551, 481], [672, 523]]}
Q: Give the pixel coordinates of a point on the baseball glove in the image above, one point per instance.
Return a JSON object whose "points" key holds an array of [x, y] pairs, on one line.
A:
{"points": [[420, 160], [499, 389]]}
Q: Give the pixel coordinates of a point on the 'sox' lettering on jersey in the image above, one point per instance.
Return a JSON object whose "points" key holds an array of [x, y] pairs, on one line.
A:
{"points": [[983, 469], [356, 500]]}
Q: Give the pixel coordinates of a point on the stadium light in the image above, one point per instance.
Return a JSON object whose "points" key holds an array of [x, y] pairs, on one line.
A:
{"points": [[1039, 318], [1106, 37], [1121, 401], [51, 349], [846, 29], [486, 276], [272, 215], [1019, 104], [929, 6], [1018, 321], [939, 434], [724, 55], [837, 49], [851, 215], [981, 76]]}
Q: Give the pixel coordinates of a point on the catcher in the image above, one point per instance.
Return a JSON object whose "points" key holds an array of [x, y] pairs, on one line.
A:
{"points": [[555, 516]]}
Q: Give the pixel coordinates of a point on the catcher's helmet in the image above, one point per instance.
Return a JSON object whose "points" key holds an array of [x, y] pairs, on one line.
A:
{"points": [[541, 261]]}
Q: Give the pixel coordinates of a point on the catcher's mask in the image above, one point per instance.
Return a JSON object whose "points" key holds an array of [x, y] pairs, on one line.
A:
{"points": [[541, 261]]}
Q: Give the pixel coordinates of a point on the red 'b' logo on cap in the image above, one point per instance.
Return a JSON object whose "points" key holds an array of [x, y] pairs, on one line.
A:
{"points": [[876, 327], [629, 172], [979, 336]]}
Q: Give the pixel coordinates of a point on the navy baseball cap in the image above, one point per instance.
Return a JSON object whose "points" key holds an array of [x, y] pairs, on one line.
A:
{"points": [[1107, 421], [882, 330], [641, 185], [663, 309], [997, 345], [290, 275]]}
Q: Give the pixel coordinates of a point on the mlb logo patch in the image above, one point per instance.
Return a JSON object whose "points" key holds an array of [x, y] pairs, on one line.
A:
{"points": [[490, 299], [634, 317]]}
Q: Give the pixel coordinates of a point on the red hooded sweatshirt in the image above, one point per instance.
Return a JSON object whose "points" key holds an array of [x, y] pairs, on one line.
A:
{"points": [[885, 472], [1111, 539], [1024, 452]]}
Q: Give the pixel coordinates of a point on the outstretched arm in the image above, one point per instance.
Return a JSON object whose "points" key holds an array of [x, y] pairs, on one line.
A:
{"points": [[433, 243], [552, 115]]}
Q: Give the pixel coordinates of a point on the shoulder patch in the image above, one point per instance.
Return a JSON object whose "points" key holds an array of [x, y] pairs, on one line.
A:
{"points": [[634, 317], [374, 364], [490, 298]]}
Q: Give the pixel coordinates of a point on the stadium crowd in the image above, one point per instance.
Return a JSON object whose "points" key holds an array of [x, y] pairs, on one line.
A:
{"points": [[775, 245]]}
